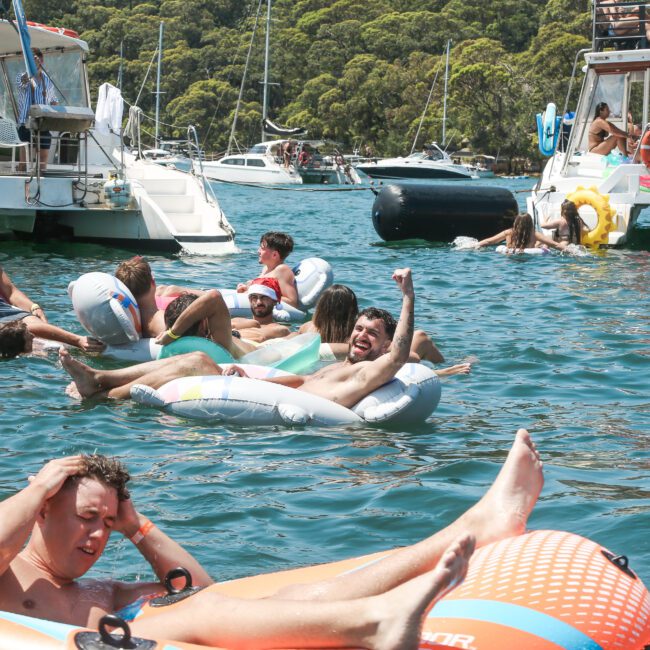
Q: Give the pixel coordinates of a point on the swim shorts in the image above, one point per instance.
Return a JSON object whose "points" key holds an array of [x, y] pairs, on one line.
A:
{"points": [[9, 313]]}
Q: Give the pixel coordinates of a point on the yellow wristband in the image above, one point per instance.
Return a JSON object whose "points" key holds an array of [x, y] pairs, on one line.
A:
{"points": [[34, 307], [173, 336]]}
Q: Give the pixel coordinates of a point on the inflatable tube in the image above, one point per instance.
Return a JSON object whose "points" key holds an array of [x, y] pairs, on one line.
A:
{"points": [[294, 355], [240, 307], [106, 308], [599, 236], [548, 129], [136, 352], [504, 250], [546, 590], [411, 396], [442, 212], [186, 344], [313, 276]]}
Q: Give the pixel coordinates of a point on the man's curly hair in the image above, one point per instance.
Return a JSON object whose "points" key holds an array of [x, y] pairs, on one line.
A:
{"points": [[109, 471]]}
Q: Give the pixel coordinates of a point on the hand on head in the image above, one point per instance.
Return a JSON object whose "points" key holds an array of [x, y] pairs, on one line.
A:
{"points": [[127, 521], [53, 474]]}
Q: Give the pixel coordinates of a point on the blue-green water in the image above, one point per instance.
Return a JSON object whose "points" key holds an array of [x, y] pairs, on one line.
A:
{"points": [[560, 346]]}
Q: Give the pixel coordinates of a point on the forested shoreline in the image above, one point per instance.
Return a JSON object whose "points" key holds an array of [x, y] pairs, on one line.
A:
{"points": [[352, 71]]}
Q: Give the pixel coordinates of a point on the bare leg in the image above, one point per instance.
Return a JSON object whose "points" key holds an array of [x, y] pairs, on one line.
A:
{"points": [[425, 348], [501, 513], [43, 155], [117, 383], [607, 146], [390, 621]]}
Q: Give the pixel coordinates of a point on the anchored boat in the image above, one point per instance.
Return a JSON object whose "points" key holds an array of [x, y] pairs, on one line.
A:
{"points": [[93, 187], [619, 78]]}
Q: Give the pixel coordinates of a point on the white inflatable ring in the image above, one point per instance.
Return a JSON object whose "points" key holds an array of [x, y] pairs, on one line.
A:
{"points": [[411, 396], [106, 308], [505, 250]]}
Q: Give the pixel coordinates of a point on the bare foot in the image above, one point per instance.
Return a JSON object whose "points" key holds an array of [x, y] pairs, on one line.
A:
{"points": [[458, 369], [71, 390], [504, 510], [401, 610], [84, 376]]}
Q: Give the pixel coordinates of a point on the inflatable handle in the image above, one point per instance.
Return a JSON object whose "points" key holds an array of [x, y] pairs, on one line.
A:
{"points": [[116, 622], [178, 572], [293, 414], [621, 562], [382, 412]]}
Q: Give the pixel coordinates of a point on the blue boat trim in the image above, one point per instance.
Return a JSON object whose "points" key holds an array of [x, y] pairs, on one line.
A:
{"points": [[516, 617]]}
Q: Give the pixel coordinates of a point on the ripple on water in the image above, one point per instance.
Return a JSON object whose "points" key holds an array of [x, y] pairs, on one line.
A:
{"points": [[559, 344]]}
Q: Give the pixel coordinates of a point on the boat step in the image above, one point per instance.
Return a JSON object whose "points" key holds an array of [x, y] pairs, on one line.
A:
{"points": [[175, 186], [173, 203], [186, 223]]}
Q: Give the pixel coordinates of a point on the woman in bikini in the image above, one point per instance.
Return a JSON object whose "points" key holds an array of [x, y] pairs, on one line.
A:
{"points": [[605, 136], [522, 235], [568, 226]]}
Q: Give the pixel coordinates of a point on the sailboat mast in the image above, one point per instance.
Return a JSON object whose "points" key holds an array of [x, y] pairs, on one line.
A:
{"points": [[265, 99], [444, 104], [160, 43]]}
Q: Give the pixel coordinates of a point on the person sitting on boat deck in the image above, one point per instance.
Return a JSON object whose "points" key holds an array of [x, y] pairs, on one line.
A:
{"points": [[522, 235], [39, 90], [568, 227], [377, 350], [334, 319], [263, 294], [16, 306], [604, 136], [54, 530], [274, 249], [206, 316], [622, 23]]}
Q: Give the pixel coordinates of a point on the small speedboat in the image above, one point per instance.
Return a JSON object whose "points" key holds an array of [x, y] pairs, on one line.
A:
{"points": [[431, 163]]}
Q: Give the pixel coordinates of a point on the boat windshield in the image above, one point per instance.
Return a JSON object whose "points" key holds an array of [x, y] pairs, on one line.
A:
{"points": [[428, 154], [258, 148], [66, 69]]}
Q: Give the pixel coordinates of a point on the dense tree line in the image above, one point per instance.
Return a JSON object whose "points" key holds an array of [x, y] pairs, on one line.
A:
{"points": [[353, 71]]}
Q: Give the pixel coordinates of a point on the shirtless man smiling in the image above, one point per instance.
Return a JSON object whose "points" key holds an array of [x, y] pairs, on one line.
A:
{"points": [[69, 509]]}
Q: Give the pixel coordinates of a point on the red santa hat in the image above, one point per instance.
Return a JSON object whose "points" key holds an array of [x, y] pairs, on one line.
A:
{"points": [[268, 287]]}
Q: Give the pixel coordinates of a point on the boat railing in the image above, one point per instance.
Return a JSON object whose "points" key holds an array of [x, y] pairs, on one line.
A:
{"points": [[620, 24], [193, 141]]}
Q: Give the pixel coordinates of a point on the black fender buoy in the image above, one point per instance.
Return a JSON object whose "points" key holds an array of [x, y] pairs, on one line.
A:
{"points": [[442, 212]]}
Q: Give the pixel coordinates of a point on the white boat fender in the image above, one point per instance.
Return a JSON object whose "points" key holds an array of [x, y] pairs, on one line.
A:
{"points": [[106, 308], [411, 396]]}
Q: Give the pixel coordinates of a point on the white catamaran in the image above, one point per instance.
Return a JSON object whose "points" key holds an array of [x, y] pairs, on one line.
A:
{"points": [[93, 187]]}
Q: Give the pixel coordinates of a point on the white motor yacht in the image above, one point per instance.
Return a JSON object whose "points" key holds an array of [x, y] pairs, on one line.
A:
{"points": [[431, 164], [264, 164], [621, 79], [93, 188]]}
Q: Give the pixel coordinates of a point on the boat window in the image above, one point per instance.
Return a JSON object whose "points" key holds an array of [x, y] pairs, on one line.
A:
{"points": [[66, 71], [255, 162], [258, 148], [609, 90], [233, 161]]}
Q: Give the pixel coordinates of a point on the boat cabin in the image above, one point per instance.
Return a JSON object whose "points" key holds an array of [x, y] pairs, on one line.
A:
{"points": [[64, 61]]}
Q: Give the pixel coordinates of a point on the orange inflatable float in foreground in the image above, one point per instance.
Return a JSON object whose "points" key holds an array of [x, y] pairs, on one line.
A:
{"points": [[546, 590]]}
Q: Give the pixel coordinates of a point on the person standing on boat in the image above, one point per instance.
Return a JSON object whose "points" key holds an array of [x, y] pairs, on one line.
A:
{"points": [[38, 90], [604, 136]]}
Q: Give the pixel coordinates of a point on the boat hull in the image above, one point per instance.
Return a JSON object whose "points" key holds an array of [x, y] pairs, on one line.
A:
{"points": [[440, 213], [413, 171]]}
